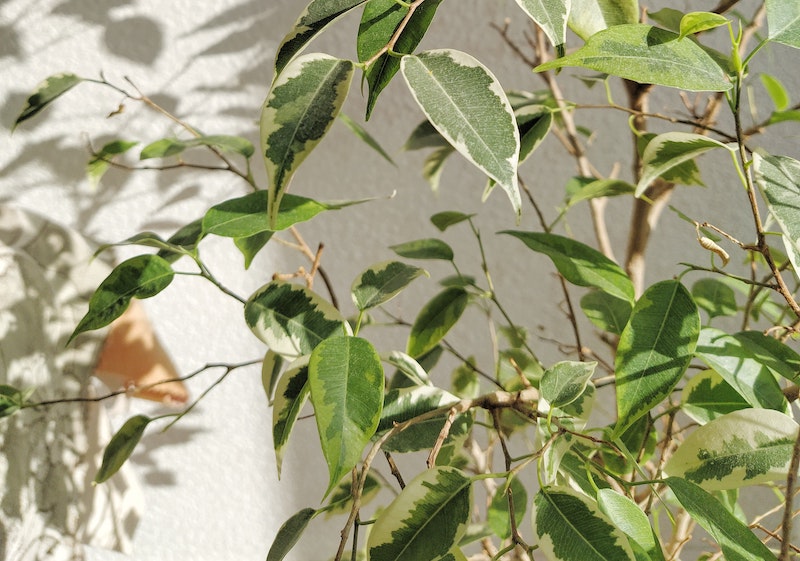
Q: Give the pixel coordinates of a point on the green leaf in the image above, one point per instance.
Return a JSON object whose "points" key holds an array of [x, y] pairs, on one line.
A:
{"points": [[776, 90], [121, 446], [224, 143], [435, 319], [434, 164], [550, 15], [346, 380], [587, 17], [379, 23], [289, 533], [11, 400], [145, 239], [601, 188], [707, 396], [443, 220], [426, 520], [695, 22], [467, 105], [249, 246], [737, 541], [365, 137], [606, 312], [409, 368], [783, 19], [425, 135], [291, 393], [315, 17], [341, 500], [686, 173], [570, 527], [779, 180], [101, 161], [163, 148], [648, 55], [654, 350], [669, 150], [578, 263], [428, 248], [46, 92], [271, 368], [140, 277], [564, 382], [628, 517], [187, 237], [715, 297], [637, 444], [291, 319], [498, 515], [772, 353], [534, 123], [732, 359], [301, 107], [382, 282]]}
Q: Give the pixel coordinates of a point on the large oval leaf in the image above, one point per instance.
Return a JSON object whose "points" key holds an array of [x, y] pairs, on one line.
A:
{"points": [[783, 18], [649, 55], [291, 319], [745, 447], [654, 350], [737, 541], [579, 263], [426, 520], [346, 380], [300, 109], [382, 282], [467, 105], [571, 528], [141, 277], [291, 393], [436, 319], [550, 15], [779, 179]]}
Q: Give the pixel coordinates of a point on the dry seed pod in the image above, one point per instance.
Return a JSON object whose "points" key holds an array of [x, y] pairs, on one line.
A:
{"points": [[711, 245]]}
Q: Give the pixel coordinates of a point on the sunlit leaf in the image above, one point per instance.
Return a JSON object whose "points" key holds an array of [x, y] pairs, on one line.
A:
{"points": [[587, 17], [163, 148], [46, 92], [707, 396], [382, 282], [409, 368], [121, 446], [362, 134], [695, 22], [443, 220], [550, 15], [606, 312], [435, 319], [565, 381], [289, 533], [628, 517], [685, 173], [291, 393], [783, 19], [101, 161], [776, 90], [715, 297]]}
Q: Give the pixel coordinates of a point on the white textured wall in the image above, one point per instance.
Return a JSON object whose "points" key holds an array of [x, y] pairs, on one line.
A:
{"points": [[211, 487]]}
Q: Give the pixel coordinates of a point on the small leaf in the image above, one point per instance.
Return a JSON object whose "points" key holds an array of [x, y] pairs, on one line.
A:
{"points": [[346, 380], [47, 92], [578, 263], [601, 188], [291, 319], [139, 277], [271, 368], [715, 297], [225, 143], [654, 350], [534, 122], [435, 319], [11, 400], [289, 533], [497, 515], [570, 527], [695, 22], [426, 520], [101, 161], [783, 19], [342, 497], [249, 246], [550, 15], [443, 220], [163, 148], [669, 150], [707, 396], [425, 135], [382, 282], [628, 517], [434, 164], [779, 180], [467, 105], [587, 17], [315, 17], [776, 90], [365, 137], [564, 382], [187, 237], [686, 173], [301, 107], [121, 446], [291, 393], [428, 248], [737, 541], [606, 312], [648, 55]]}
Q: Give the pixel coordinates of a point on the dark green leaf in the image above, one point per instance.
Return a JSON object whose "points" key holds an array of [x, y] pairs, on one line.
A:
{"points": [[11, 400], [46, 92], [289, 533], [443, 220], [139, 277], [249, 246], [121, 446], [187, 237], [436, 319], [498, 514], [429, 248], [605, 311], [291, 393], [382, 282]]}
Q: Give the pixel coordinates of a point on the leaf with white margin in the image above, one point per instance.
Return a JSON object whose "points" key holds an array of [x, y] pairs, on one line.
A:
{"points": [[346, 381], [409, 367], [550, 15], [783, 19], [737, 541], [426, 520], [587, 17], [779, 180], [648, 55], [629, 518], [292, 319], [669, 150], [571, 527], [382, 282], [47, 92], [565, 381], [300, 108], [467, 105], [291, 393], [707, 396], [315, 17], [745, 447]]}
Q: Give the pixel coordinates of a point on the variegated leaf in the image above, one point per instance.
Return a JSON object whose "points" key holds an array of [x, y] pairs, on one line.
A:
{"points": [[783, 17], [779, 180], [300, 108], [707, 396], [291, 393], [745, 447], [587, 17], [426, 520], [46, 92], [291, 319], [467, 105], [570, 527], [564, 382], [409, 367], [550, 15], [382, 282]]}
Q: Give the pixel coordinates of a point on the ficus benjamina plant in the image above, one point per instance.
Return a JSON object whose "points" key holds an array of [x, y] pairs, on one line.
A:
{"points": [[702, 368]]}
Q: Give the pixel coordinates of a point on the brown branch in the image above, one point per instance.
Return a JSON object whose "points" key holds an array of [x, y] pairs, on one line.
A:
{"points": [[389, 47], [791, 483]]}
